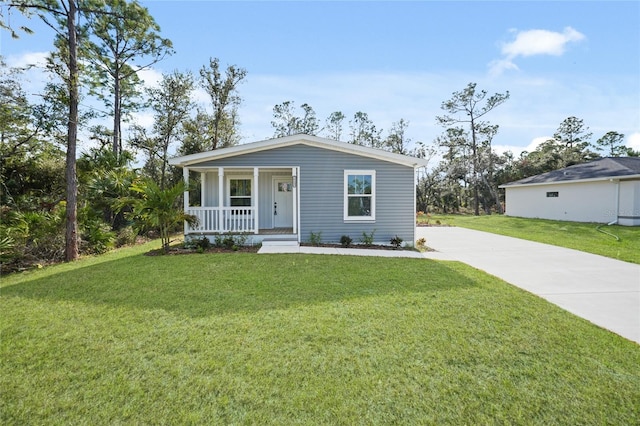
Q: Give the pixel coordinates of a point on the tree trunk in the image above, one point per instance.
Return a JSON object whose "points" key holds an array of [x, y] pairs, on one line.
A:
{"points": [[116, 115], [71, 233], [476, 195]]}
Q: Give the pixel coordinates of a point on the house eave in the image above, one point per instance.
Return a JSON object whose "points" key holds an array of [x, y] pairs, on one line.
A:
{"points": [[193, 159], [557, 182]]}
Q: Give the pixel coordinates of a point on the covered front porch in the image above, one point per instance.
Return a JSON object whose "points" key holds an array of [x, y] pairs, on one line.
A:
{"points": [[241, 200]]}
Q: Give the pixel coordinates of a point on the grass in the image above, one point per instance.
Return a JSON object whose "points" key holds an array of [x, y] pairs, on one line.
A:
{"points": [[574, 235], [299, 339]]}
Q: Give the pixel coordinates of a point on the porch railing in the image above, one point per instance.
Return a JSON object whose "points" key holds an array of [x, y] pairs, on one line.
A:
{"points": [[223, 219]]}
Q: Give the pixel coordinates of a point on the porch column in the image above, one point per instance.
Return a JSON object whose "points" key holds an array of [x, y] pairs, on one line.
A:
{"points": [[220, 197], [185, 177], [294, 178], [203, 186], [256, 220]]}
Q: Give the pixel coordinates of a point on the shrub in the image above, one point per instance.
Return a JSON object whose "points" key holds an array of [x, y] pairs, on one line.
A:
{"points": [[230, 241], [345, 240], [126, 236], [315, 238], [367, 239], [98, 237], [396, 242]]}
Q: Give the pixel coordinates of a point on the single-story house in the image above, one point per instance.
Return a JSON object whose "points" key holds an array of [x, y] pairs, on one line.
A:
{"points": [[291, 187], [606, 190]]}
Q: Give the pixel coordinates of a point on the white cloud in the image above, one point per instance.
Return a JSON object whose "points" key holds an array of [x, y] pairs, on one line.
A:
{"points": [[541, 42], [517, 150], [27, 60], [150, 77], [534, 42], [633, 141]]}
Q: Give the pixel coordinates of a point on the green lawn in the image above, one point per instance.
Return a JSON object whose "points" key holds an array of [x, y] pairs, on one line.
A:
{"points": [[299, 339], [575, 235]]}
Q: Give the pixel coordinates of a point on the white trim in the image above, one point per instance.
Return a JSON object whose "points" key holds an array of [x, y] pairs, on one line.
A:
{"points": [[363, 151], [239, 177], [185, 177], [558, 182], [296, 200], [346, 216], [203, 188], [220, 194], [274, 190], [256, 192]]}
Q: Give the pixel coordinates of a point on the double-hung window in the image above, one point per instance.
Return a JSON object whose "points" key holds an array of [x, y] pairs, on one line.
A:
{"points": [[360, 195], [240, 193]]}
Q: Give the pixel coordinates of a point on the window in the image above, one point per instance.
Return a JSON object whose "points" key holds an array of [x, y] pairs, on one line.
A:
{"points": [[239, 193], [553, 194], [359, 195]]}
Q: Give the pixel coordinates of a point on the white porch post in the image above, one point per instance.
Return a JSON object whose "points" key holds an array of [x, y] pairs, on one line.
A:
{"points": [[203, 186], [294, 175], [256, 221], [220, 197], [185, 177]]}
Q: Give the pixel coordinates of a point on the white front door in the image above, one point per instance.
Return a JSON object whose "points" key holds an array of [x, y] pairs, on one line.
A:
{"points": [[282, 202]]}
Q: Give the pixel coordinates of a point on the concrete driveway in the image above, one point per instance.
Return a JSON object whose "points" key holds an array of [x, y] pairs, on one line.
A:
{"points": [[599, 289]]}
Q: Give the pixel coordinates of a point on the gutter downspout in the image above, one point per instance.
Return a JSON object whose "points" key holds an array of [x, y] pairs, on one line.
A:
{"points": [[617, 208]]}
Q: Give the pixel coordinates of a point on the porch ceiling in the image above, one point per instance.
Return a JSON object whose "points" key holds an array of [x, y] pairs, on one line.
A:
{"points": [[240, 169]]}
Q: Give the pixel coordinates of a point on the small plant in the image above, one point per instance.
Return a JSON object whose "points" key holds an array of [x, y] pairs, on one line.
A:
{"points": [[421, 244], [345, 240], [315, 238], [230, 241], [126, 236], [367, 239], [396, 242]]}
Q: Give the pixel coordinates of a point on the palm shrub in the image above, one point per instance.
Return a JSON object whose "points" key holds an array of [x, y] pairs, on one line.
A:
{"points": [[159, 208]]}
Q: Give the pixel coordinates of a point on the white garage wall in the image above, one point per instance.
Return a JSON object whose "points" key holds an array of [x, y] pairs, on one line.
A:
{"points": [[579, 202], [629, 203]]}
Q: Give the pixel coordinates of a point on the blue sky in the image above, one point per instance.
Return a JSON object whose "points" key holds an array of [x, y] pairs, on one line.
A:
{"points": [[397, 60]]}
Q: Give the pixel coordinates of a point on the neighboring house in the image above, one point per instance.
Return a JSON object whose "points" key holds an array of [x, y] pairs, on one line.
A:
{"points": [[602, 191], [290, 187]]}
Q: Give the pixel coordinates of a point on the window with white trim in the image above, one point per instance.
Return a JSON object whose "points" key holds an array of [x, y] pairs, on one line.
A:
{"points": [[360, 195], [240, 193]]}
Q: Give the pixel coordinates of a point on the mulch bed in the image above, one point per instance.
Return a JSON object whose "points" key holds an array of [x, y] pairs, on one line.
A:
{"points": [[181, 250], [356, 246]]}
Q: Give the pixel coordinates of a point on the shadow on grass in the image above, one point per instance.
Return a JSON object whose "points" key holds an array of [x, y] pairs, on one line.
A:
{"points": [[214, 284]]}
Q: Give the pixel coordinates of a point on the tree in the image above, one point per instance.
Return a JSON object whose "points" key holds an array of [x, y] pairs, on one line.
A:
{"points": [[574, 137], [612, 143], [397, 141], [363, 131], [171, 103], [286, 123], [333, 125], [159, 208], [126, 33], [466, 108], [31, 163], [225, 101], [62, 17]]}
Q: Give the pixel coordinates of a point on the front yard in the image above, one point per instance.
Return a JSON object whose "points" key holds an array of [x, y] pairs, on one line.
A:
{"points": [[589, 237], [299, 339]]}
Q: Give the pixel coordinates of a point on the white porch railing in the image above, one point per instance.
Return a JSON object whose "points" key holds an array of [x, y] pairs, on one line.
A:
{"points": [[222, 219]]}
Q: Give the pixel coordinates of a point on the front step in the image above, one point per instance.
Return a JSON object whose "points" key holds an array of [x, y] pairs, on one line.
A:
{"points": [[280, 243]]}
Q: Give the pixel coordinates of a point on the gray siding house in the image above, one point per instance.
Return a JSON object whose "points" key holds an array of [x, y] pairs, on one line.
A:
{"points": [[290, 187], [606, 190]]}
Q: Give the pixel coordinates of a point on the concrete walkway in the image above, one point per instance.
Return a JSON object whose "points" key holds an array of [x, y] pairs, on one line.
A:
{"points": [[602, 290]]}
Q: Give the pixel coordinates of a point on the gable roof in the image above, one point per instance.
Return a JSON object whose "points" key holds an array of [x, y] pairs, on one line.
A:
{"points": [[300, 139], [601, 169]]}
